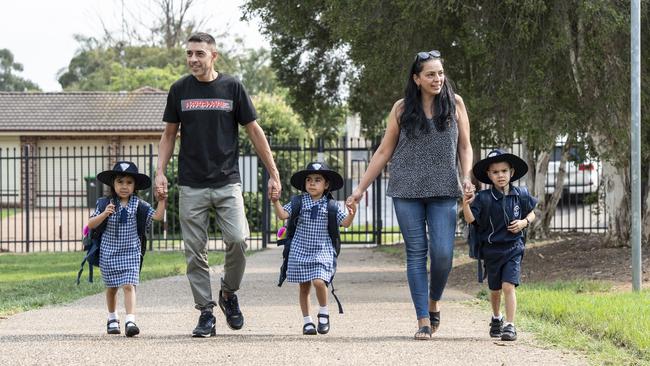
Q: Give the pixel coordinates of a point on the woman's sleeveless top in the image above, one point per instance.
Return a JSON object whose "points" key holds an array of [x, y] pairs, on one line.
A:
{"points": [[426, 165]]}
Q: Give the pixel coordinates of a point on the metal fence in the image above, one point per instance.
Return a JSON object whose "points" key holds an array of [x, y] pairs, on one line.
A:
{"points": [[47, 195]]}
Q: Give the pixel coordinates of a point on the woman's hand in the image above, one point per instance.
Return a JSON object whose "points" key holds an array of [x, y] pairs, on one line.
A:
{"points": [[352, 200]]}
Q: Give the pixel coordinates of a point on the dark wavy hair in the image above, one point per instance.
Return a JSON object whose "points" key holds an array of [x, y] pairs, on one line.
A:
{"points": [[413, 119]]}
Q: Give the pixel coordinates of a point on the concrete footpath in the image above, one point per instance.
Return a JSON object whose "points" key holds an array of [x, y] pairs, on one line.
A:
{"points": [[376, 329]]}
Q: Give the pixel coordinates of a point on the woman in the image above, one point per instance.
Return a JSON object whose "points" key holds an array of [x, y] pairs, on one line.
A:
{"points": [[428, 130]]}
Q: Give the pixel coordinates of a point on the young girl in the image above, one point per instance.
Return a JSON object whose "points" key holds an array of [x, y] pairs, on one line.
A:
{"points": [[119, 258], [311, 258]]}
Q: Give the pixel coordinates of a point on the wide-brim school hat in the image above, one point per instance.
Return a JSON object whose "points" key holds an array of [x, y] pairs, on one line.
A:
{"points": [[142, 181], [335, 180], [496, 156]]}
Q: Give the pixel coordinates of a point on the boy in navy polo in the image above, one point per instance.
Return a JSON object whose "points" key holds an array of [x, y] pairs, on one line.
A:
{"points": [[509, 211]]}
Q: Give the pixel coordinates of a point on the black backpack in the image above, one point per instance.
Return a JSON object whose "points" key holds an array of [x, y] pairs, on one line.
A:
{"points": [[93, 239], [332, 229], [474, 233]]}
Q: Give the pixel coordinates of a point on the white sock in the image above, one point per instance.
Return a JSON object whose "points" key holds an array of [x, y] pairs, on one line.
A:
{"points": [[130, 318], [324, 310], [307, 319], [113, 316], [500, 317], [508, 323]]}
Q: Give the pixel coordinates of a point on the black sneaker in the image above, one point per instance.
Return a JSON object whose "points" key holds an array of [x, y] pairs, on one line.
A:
{"points": [[496, 327], [230, 308], [206, 326], [509, 333]]}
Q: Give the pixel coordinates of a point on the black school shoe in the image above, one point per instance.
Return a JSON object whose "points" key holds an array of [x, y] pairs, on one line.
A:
{"points": [[323, 328], [509, 333], [496, 327], [230, 309], [206, 326], [113, 330], [130, 329]]}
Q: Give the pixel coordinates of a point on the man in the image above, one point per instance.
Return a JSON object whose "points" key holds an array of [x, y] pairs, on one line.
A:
{"points": [[211, 106]]}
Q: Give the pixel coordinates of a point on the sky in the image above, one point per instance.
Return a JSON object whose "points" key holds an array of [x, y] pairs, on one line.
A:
{"points": [[39, 33]]}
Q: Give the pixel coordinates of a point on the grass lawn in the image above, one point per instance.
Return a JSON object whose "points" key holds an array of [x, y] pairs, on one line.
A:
{"points": [[7, 212], [31, 281], [611, 327]]}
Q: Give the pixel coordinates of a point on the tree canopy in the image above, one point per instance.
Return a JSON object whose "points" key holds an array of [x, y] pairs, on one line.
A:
{"points": [[9, 81]]}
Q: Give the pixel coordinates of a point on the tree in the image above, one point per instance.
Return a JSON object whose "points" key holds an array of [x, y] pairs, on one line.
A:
{"points": [[8, 80], [531, 69]]}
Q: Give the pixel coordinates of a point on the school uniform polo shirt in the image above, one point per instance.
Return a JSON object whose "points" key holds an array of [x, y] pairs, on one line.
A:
{"points": [[503, 210]]}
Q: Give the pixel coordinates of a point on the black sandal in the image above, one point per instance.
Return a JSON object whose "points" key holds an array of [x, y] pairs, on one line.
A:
{"points": [[307, 330], [434, 317], [131, 329], [113, 330], [323, 328], [424, 333]]}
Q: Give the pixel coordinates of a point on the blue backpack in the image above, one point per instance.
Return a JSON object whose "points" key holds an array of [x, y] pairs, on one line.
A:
{"points": [[474, 233], [332, 229], [93, 239]]}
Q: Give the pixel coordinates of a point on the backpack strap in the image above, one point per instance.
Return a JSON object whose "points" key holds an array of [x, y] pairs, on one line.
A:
{"points": [[141, 223], [93, 235], [296, 206], [335, 236], [333, 225], [524, 200]]}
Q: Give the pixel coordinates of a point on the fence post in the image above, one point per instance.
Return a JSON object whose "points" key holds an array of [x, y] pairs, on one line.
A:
{"points": [[26, 198], [378, 202], [152, 194]]}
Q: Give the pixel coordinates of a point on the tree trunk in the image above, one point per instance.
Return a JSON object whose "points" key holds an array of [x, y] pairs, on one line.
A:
{"points": [[538, 190], [616, 182], [645, 223], [548, 211]]}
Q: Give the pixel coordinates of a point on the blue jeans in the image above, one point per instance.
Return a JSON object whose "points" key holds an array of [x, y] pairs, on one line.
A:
{"points": [[414, 216]]}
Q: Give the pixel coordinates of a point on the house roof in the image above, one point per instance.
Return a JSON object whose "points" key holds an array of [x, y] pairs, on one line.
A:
{"points": [[138, 111]]}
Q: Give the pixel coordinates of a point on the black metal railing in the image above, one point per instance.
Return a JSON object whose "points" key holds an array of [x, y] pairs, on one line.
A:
{"points": [[47, 195]]}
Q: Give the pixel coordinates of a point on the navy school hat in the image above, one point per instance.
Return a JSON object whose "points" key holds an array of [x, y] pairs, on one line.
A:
{"points": [[335, 180], [518, 164], [142, 181]]}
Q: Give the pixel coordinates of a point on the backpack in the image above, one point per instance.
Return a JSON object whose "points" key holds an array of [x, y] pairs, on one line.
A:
{"points": [[332, 229], [93, 239], [474, 233]]}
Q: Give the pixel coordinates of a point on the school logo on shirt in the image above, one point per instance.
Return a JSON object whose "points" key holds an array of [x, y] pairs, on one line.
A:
{"points": [[516, 211], [206, 105]]}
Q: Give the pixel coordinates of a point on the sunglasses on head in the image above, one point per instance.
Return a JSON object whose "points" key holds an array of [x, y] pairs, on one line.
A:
{"points": [[422, 56]]}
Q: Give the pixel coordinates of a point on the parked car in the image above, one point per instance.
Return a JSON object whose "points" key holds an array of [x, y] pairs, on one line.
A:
{"points": [[582, 174]]}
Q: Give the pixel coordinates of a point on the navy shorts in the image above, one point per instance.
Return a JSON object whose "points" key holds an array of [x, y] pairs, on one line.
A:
{"points": [[503, 264]]}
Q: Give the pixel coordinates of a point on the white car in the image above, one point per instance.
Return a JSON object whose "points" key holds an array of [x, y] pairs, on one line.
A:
{"points": [[582, 174]]}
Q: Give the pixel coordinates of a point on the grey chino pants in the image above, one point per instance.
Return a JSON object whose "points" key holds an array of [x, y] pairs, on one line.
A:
{"points": [[195, 205]]}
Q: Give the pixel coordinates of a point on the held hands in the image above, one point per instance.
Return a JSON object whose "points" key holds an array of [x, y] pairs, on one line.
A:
{"points": [[161, 187], [468, 198], [517, 226], [274, 196], [275, 189], [352, 207], [351, 202]]}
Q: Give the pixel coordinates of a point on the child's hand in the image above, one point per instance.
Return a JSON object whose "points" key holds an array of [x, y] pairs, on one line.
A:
{"points": [[468, 198], [275, 196], [110, 209], [517, 226]]}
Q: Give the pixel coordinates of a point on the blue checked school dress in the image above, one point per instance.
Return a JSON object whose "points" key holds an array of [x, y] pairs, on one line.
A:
{"points": [[119, 256], [311, 255]]}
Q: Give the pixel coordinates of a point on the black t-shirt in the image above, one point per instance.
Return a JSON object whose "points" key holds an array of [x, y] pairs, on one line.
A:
{"points": [[210, 114]]}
